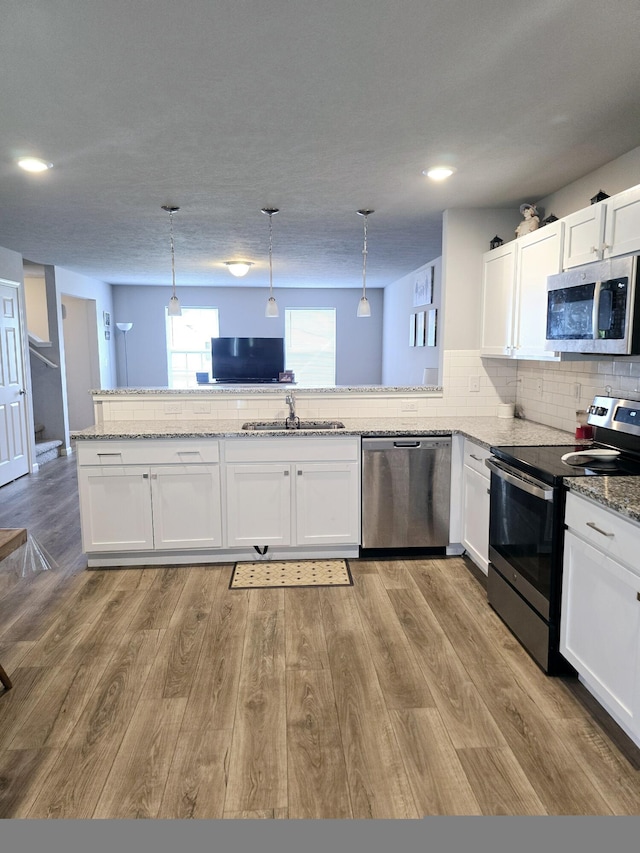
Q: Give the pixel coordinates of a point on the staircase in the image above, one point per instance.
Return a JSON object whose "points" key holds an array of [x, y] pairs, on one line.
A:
{"points": [[45, 450]]}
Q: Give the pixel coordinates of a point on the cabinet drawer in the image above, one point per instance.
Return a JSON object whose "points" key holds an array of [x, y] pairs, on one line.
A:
{"points": [[606, 530], [292, 449], [474, 456], [147, 452]]}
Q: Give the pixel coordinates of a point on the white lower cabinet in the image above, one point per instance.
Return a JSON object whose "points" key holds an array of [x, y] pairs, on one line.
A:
{"points": [[293, 503], [600, 622], [258, 504], [475, 489], [149, 507]]}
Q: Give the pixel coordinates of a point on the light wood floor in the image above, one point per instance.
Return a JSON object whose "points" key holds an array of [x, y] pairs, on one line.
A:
{"points": [[159, 692]]}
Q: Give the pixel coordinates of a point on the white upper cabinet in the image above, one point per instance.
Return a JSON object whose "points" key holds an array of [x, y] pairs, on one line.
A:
{"points": [[538, 255], [498, 301], [514, 294], [606, 229], [622, 226], [583, 236]]}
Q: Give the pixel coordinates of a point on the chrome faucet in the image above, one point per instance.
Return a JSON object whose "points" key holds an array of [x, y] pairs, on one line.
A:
{"points": [[290, 400]]}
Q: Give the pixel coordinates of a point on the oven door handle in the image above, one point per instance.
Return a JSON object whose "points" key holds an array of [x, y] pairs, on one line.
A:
{"points": [[520, 481]]}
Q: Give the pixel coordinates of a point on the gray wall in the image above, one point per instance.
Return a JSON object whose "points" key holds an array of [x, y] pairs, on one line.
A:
{"points": [[241, 312], [404, 364]]}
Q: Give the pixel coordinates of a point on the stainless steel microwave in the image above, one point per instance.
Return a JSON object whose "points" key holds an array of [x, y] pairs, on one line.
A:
{"points": [[593, 308]]}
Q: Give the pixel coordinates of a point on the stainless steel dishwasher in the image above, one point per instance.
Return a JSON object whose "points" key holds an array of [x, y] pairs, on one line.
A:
{"points": [[406, 485]]}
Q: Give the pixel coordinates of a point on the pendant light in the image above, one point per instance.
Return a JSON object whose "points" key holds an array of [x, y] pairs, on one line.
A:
{"points": [[174, 309], [272, 306], [364, 308]]}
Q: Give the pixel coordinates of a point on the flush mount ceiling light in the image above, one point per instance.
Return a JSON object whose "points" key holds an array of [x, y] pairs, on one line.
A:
{"points": [[34, 164], [439, 173], [173, 309], [238, 268], [272, 306], [364, 308]]}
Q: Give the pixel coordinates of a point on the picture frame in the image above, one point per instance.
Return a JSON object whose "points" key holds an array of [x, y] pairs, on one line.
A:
{"points": [[423, 286], [420, 328], [431, 327], [106, 318], [412, 330]]}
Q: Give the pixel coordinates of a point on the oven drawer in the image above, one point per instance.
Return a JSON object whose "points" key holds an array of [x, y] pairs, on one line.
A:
{"points": [[616, 535]]}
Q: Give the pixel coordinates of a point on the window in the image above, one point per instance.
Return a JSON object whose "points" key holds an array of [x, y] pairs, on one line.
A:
{"points": [[310, 345], [189, 345]]}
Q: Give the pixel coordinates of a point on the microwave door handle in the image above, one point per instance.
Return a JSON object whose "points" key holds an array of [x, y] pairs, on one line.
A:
{"points": [[595, 311]]}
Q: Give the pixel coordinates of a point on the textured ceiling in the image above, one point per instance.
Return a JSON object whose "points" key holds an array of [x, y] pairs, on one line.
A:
{"points": [[317, 107]]}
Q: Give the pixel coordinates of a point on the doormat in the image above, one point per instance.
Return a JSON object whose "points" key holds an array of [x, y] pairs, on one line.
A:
{"points": [[286, 573]]}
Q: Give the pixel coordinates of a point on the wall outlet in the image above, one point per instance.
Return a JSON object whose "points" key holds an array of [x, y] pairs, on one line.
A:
{"points": [[474, 383], [408, 406], [201, 408], [172, 408]]}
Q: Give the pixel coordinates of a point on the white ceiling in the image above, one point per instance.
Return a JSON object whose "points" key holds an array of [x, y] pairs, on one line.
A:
{"points": [[317, 107]]}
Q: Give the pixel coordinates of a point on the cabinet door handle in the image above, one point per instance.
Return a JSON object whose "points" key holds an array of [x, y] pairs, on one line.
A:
{"points": [[286, 473], [145, 476], [638, 595], [109, 454], [598, 530], [477, 458], [299, 472]]}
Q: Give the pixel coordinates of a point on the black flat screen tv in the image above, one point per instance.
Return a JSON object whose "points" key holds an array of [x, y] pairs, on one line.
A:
{"points": [[247, 359]]}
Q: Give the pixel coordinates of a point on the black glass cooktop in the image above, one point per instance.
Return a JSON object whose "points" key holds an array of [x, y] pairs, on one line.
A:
{"points": [[547, 464]]}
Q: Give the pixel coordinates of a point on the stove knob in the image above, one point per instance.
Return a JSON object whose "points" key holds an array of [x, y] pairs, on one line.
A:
{"points": [[602, 411]]}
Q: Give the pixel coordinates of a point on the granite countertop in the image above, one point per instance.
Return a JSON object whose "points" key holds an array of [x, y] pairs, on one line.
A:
{"points": [[486, 431], [621, 494], [265, 388]]}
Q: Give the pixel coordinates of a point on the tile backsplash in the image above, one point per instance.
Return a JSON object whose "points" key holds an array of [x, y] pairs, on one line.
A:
{"points": [[552, 392]]}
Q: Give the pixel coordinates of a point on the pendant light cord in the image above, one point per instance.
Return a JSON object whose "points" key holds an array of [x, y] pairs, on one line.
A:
{"points": [[270, 254], [364, 259], [173, 253], [171, 210]]}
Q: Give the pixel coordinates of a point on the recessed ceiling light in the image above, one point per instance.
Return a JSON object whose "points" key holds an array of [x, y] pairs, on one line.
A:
{"points": [[34, 164], [439, 173], [238, 268]]}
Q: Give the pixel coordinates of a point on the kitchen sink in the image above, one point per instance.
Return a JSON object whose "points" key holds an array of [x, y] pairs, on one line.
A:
{"points": [[267, 426]]}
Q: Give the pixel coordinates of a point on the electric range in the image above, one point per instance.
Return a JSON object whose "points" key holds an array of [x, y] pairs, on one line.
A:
{"points": [[526, 521]]}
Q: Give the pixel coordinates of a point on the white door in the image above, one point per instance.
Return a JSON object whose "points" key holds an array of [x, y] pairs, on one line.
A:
{"points": [[622, 229], [583, 236], [115, 508], [475, 536], [186, 506], [600, 627], [327, 502], [14, 436], [258, 504], [538, 255], [498, 288]]}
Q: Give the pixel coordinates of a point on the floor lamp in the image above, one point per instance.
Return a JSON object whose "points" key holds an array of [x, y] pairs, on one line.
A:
{"points": [[124, 328]]}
